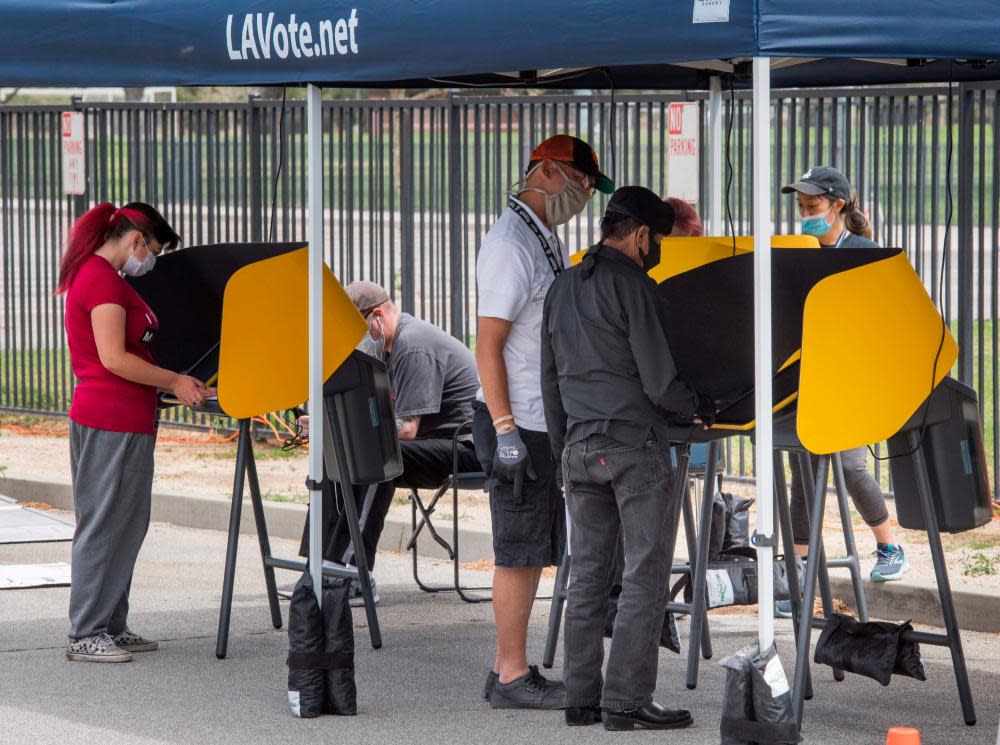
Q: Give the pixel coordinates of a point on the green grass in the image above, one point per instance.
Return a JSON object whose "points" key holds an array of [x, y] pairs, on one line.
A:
{"points": [[979, 564]]}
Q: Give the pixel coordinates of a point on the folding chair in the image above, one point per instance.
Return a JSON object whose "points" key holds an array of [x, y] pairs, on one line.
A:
{"points": [[454, 482]]}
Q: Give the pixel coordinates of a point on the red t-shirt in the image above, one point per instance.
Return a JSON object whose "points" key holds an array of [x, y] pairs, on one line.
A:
{"points": [[103, 400]]}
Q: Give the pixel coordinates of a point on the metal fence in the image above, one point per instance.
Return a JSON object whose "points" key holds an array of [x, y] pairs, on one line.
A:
{"points": [[412, 186]]}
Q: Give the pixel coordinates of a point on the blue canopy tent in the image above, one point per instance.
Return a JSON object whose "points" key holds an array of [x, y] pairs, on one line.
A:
{"points": [[448, 43]]}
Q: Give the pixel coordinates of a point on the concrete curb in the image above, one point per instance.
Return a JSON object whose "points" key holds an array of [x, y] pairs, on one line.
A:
{"points": [[284, 520], [913, 598]]}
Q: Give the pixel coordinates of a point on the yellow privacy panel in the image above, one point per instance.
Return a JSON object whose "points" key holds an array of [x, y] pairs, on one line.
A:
{"points": [[264, 352], [869, 339], [684, 254]]}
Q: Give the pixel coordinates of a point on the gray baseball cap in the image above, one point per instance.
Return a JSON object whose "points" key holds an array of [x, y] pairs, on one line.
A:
{"points": [[366, 296], [821, 181]]}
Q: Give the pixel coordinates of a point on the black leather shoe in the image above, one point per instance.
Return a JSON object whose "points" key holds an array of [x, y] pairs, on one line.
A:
{"points": [[582, 716], [650, 716]]}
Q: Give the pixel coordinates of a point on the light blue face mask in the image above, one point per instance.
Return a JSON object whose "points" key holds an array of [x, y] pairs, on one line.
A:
{"points": [[372, 346], [817, 225]]}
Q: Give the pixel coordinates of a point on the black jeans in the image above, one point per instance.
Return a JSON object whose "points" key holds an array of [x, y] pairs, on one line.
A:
{"points": [[612, 487], [426, 464]]}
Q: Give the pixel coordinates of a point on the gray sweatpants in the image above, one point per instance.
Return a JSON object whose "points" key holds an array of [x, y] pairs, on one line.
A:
{"points": [[864, 490], [112, 488]]}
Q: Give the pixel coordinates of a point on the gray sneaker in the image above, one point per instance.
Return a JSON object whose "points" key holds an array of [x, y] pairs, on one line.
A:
{"points": [[132, 642], [890, 563], [531, 691], [357, 599], [491, 680], [97, 648]]}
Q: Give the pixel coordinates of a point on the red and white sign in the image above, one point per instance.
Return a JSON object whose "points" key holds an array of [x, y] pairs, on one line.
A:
{"points": [[74, 174], [683, 134]]}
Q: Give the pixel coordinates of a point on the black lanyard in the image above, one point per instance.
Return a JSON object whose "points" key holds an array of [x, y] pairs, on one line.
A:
{"points": [[554, 263]]}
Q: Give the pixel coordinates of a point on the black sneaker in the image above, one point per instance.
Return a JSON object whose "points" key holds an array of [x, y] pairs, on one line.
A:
{"points": [[491, 680], [531, 691]]}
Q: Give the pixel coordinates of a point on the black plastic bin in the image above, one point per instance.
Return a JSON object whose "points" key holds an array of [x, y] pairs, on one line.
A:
{"points": [[952, 446]]}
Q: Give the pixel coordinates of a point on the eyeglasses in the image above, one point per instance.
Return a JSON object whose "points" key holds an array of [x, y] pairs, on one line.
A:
{"points": [[587, 182]]}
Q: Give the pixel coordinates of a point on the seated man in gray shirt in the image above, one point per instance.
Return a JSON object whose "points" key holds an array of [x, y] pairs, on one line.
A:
{"points": [[434, 379]]}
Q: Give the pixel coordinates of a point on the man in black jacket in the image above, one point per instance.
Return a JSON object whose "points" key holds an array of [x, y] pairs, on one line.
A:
{"points": [[612, 398]]}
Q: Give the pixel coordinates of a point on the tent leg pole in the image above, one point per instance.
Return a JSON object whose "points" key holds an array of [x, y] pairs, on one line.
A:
{"points": [[314, 136], [763, 364], [943, 583], [229, 574], [715, 146]]}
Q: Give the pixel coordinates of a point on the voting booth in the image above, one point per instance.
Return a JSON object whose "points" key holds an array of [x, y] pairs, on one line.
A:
{"points": [[860, 355], [218, 324]]}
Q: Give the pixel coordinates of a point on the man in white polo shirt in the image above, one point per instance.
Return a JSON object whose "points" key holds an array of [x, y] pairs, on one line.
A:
{"points": [[520, 257]]}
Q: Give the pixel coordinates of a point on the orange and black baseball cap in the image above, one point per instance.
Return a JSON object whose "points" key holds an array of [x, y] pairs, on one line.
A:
{"points": [[575, 152]]}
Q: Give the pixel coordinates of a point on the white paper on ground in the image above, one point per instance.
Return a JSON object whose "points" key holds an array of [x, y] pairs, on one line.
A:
{"points": [[22, 576], [21, 525]]}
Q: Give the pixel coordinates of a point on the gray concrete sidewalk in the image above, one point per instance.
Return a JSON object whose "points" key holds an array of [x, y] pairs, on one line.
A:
{"points": [[423, 685]]}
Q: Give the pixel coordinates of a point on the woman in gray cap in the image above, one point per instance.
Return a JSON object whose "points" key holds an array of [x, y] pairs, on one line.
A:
{"points": [[829, 210]]}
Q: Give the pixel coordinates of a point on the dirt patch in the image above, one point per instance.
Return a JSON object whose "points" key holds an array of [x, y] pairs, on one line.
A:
{"points": [[200, 464]]}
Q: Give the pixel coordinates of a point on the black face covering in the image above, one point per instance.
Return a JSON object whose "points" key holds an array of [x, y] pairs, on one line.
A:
{"points": [[652, 258]]}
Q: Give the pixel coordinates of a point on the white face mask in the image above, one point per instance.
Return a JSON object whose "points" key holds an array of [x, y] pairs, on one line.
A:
{"points": [[566, 203], [372, 346], [135, 268]]}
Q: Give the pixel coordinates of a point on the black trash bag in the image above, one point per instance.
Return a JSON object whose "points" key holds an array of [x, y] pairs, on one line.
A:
{"points": [[717, 535], [756, 702], [874, 649], [341, 690], [781, 591], [737, 523], [670, 637], [306, 652]]}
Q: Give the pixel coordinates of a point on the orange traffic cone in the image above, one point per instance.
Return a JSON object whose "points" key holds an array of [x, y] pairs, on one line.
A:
{"points": [[903, 736]]}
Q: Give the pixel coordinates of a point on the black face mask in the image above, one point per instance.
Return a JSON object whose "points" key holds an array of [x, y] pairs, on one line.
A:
{"points": [[652, 258]]}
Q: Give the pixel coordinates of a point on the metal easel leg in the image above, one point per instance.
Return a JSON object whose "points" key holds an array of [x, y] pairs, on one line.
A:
{"points": [[691, 535], [559, 594], [699, 604], [229, 574], [825, 592], [952, 632], [813, 565], [853, 560], [262, 538]]}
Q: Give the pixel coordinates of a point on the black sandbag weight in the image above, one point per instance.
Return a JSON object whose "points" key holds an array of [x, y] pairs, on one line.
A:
{"points": [[306, 643]]}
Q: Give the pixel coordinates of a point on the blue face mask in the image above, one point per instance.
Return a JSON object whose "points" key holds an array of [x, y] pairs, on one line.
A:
{"points": [[817, 225]]}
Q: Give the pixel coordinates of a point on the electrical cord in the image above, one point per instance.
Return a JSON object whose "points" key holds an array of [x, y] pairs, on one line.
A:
{"points": [[729, 163]]}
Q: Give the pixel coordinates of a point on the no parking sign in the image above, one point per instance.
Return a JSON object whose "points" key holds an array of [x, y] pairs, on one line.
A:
{"points": [[682, 151], [74, 176]]}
